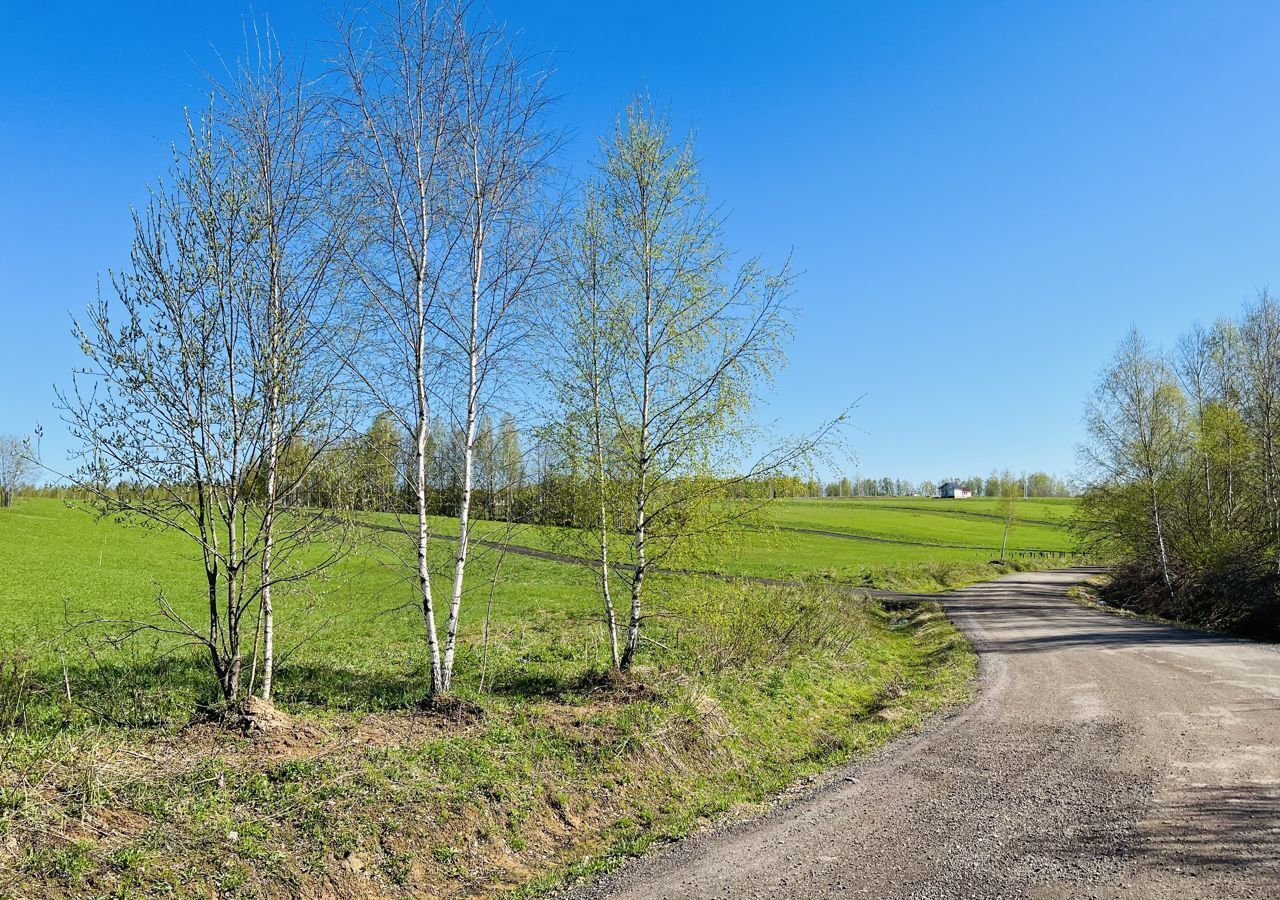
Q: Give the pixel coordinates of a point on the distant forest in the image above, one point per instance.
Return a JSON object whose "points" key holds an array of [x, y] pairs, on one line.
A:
{"points": [[521, 475], [997, 484]]}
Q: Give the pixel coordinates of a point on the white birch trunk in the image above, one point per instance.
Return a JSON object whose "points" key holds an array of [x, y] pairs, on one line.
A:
{"points": [[610, 618], [468, 449], [642, 479], [420, 491]]}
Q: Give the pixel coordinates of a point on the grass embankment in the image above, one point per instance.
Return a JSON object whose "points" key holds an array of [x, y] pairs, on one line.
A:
{"points": [[546, 771]]}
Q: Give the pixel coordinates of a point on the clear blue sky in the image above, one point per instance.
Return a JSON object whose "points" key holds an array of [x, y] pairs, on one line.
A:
{"points": [[982, 196]]}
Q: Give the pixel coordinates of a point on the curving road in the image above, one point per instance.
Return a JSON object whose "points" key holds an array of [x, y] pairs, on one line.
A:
{"points": [[1104, 757]]}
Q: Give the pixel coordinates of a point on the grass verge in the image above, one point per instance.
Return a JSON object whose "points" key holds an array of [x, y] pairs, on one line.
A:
{"points": [[553, 772]]}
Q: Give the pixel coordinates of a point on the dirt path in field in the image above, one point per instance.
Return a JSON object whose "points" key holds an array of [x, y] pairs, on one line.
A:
{"points": [[1104, 757]]}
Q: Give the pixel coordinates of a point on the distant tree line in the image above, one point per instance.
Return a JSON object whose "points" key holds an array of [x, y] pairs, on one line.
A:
{"points": [[519, 477], [1184, 458], [998, 484]]}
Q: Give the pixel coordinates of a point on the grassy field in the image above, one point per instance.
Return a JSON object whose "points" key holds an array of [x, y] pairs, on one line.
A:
{"points": [[907, 544], [765, 552], [110, 787], [1035, 510], [1037, 524]]}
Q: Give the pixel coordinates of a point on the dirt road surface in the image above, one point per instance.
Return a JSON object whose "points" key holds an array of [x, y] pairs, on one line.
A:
{"points": [[1104, 757]]}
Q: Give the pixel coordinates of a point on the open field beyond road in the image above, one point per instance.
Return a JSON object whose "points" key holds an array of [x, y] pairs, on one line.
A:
{"points": [[60, 561], [976, 522]]}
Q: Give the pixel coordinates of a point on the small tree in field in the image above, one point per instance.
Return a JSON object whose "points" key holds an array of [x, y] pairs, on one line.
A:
{"points": [[447, 152], [16, 463], [209, 380], [668, 345]]}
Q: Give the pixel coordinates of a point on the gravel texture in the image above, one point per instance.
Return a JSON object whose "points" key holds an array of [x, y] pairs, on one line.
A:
{"points": [[1105, 757]]}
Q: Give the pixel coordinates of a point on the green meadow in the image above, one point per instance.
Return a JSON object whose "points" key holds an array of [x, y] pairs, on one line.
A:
{"points": [[977, 522], [62, 566], [112, 783], [891, 543]]}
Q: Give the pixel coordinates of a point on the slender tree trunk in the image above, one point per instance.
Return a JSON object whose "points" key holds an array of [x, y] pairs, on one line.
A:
{"points": [[268, 546], [602, 479], [1164, 555], [215, 620], [420, 491], [642, 473], [468, 449], [1231, 483], [232, 688], [637, 584], [274, 403], [610, 618]]}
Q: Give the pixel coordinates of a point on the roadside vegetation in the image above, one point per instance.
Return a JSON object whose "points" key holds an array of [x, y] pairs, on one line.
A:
{"points": [[1185, 493]]}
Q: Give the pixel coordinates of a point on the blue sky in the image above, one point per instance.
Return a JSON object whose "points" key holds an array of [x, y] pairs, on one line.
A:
{"points": [[982, 196]]}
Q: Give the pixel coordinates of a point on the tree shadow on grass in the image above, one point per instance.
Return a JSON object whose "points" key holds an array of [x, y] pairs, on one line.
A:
{"points": [[570, 687], [147, 689], [133, 689]]}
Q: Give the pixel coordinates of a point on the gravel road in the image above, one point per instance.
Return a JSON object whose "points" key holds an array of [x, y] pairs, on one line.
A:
{"points": [[1104, 757]]}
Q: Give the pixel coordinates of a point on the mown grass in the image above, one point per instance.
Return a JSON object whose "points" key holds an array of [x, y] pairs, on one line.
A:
{"points": [[763, 552], [1053, 510], [974, 523], [940, 544], [552, 772]]}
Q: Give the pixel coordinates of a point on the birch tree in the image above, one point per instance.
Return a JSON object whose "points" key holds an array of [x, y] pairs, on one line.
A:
{"points": [[169, 397], [1185, 473], [210, 379], [395, 102], [589, 331], [693, 339], [273, 136], [445, 137], [1136, 431], [502, 171]]}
